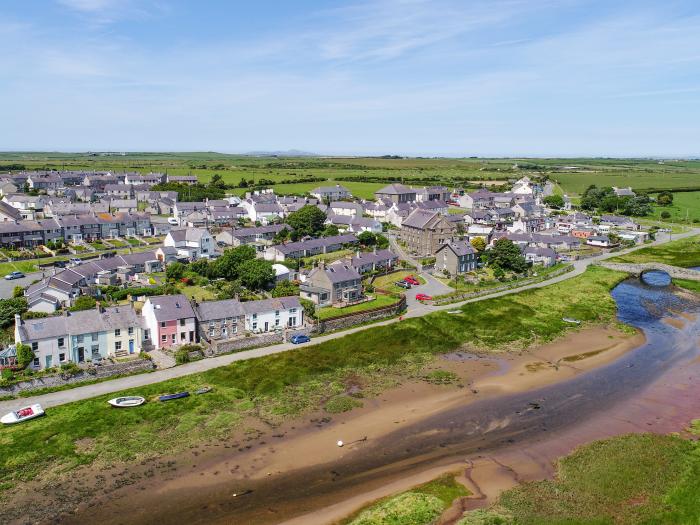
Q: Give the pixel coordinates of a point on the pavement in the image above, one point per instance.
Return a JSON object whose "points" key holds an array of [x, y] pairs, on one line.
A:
{"points": [[416, 310], [7, 287]]}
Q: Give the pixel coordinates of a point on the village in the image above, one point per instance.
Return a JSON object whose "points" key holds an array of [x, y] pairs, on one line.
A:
{"points": [[152, 277]]}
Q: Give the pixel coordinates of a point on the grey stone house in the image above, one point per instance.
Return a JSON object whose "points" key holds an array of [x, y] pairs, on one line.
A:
{"points": [[397, 193], [424, 231], [456, 257], [337, 283]]}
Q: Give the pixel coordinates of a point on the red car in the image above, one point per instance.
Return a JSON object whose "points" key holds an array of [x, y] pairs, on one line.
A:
{"points": [[411, 280], [423, 297]]}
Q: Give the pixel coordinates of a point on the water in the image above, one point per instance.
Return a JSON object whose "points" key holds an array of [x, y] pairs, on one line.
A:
{"points": [[656, 278]]}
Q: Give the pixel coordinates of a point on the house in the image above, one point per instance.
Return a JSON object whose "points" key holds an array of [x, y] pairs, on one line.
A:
{"points": [[523, 186], [8, 213], [268, 315], [259, 236], [331, 193], [624, 192], [337, 284], [123, 205], [7, 187], [299, 249], [376, 260], [377, 210], [602, 241], [29, 206], [424, 231], [77, 337], [192, 243], [456, 257], [120, 191], [433, 205], [477, 200], [608, 222], [170, 320], [396, 193], [350, 209], [183, 179], [354, 224], [151, 179], [263, 212], [48, 182], [544, 256], [433, 193], [398, 212]]}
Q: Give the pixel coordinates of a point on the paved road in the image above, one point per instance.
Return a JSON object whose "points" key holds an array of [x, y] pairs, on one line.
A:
{"points": [[7, 287], [88, 391]]}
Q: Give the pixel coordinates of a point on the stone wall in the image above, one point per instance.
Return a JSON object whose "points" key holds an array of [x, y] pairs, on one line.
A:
{"points": [[242, 343], [350, 320], [87, 374]]}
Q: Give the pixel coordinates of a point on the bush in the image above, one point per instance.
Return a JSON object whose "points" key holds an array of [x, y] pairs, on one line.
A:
{"points": [[24, 355], [84, 302], [338, 404], [182, 356], [69, 369], [665, 215]]}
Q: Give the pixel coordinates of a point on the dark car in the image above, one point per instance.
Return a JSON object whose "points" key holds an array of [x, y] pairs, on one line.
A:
{"points": [[403, 284], [298, 339], [60, 264]]}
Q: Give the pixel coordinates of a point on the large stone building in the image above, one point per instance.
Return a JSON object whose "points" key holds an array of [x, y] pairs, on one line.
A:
{"points": [[424, 231]]}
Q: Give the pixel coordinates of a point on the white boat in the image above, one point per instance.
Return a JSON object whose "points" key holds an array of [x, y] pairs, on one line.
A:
{"points": [[127, 401], [23, 414]]}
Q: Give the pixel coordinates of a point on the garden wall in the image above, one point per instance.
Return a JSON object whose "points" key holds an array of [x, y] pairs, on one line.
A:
{"points": [[242, 343], [353, 319], [89, 374]]}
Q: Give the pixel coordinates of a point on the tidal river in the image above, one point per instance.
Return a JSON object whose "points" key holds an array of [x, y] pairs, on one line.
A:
{"points": [[613, 399]]}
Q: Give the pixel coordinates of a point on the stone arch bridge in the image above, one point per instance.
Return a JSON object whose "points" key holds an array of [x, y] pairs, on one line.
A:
{"points": [[675, 272]]}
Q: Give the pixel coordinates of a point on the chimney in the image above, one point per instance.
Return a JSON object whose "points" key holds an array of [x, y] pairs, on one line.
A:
{"points": [[374, 250], [18, 320]]}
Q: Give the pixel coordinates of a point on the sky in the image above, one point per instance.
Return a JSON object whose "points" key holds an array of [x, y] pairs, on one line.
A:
{"points": [[406, 77]]}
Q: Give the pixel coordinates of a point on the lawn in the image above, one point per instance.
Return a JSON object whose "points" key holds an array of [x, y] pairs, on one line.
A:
{"points": [[386, 282], [198, 293], [117, 243], [133, 242], [637, 478], [421, 505], [379, 300], [289, 384], [22, 266], [326, 257], [685, 208], [683, 252]]}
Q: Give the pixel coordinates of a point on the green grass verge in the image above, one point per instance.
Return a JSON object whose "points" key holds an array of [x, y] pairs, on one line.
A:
{"points": [[632, 479], [421, 505], [386, 282], [682, 252], [693, 286], [289, 384]]}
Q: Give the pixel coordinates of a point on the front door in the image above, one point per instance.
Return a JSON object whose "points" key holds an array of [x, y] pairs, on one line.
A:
{"points": [[266, 325], [81, 354], [131, 346]]}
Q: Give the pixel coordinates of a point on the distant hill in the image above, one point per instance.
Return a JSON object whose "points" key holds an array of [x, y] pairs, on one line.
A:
{"points": [[288, 153]]}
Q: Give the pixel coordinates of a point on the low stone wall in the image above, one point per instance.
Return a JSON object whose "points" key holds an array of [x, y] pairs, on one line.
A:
{"points": [[350, 320], [88, 374], [241, 343]]}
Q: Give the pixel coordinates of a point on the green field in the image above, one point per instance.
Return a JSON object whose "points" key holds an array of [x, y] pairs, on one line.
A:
{"points": [[685, 208], [683, 252], [290, 384], [638, 478]]}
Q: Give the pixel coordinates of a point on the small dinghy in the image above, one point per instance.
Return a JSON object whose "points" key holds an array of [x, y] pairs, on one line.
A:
{"points": [[203, 390], [170, 397], [570, 320], [127, 401], [23, 414]]}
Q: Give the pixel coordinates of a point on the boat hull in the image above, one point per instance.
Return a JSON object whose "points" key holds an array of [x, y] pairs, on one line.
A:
{"points": [[23, 414], [170, 397], [127, 401]]}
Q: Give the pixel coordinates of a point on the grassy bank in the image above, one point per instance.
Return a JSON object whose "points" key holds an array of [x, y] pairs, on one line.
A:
{"points": [[421, 505], [292, 383], [638, 478], [683, 252]]}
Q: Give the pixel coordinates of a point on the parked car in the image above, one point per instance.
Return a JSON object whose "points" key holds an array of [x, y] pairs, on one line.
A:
{"points": [[60, 264], [300, 338], [411, 280], [75, 261], [403, 284], [173, 221], [14, 275], [423, 297]]}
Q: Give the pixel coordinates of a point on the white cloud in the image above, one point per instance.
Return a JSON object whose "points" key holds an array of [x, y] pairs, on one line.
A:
{"points": [[91, 6]]}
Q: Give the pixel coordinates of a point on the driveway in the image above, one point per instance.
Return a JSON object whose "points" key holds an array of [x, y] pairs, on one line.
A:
{"points": [[6, 287], [432, 287], [417, 310]]}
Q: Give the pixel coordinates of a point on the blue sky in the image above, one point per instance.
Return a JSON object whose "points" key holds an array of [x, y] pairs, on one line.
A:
{"points": [[414, 77]]}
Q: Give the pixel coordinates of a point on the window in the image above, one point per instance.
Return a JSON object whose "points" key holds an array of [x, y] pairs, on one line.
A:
{"points": [[35, 363], [80, 339], [255, 316], [131, 330], [146, 334], [277, 313], [182, 322], [211, 325], [211, 332], [35, 346], [292, 310], [255, 326], [224, 331], [183, 336], [61, 358], [61, 342], [95, 351], [173, 338], [162, 324], [118, 346], [292, 321], [164, 338], [117, 332], [94, 336]]}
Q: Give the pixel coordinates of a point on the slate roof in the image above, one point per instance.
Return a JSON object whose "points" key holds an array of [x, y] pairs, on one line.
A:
{"points": [[170, 307], [460, 248], [395, 189], [340, 271], [419, 218]]}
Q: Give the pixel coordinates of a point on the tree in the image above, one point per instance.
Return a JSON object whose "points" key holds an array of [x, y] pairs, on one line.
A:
{"points": [[507, 256], [554, 201], [285, 289], [367, 238], [309, 308], [330, 230], [665, 198], [24, 355], [217, 182], [382, 242], [10, 307], [281, 236], [256, 274], [18, 291], [175, 271], [228, 265], [229, 290], [478, 243], [84, 302], [665, 215], [308, 220]]}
